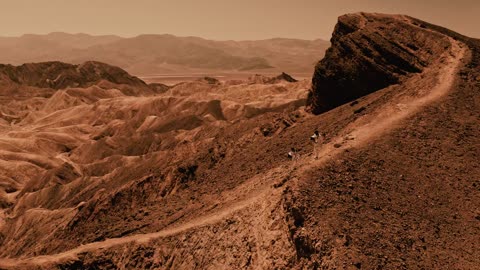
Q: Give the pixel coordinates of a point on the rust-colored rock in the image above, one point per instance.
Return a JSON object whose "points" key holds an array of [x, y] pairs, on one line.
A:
{"points": [[370, 52]]}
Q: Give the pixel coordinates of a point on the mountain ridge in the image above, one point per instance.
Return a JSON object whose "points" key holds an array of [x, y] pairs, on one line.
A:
{"points": [[153, 53], [370, 52]]}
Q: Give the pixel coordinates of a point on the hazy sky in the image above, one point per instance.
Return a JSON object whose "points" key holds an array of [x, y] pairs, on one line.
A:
{"points": [[220, 19]]}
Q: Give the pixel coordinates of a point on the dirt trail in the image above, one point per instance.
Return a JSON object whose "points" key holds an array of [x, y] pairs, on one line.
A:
{"points": [[260, 186], [207, 219], [422, 89]]}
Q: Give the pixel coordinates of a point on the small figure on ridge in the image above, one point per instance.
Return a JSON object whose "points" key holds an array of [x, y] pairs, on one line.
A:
{"points": [[292, 154], [315, 138]]}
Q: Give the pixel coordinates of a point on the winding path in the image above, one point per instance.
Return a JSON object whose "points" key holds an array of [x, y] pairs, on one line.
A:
{"points": [[385, 120]]}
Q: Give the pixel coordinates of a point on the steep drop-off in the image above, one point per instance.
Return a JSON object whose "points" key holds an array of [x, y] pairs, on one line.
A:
{"points": [[370, 52]]}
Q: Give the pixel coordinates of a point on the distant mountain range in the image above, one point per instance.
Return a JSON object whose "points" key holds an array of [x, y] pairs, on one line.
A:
{"points": [[165, 54]]}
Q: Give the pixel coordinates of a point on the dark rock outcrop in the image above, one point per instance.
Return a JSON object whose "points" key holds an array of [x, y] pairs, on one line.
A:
{"points": [[58, 75], [370, 52], [283, 77]]}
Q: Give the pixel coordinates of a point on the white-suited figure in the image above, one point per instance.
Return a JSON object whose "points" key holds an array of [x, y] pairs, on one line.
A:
{"points": [[315, 138], [292, 154]]}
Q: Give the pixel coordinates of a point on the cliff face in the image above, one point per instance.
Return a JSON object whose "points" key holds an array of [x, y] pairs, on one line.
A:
{"points": [[370, 52], [58, 75]]}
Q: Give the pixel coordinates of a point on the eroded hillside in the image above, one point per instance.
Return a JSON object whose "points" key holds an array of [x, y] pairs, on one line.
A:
{"points": [[196, 175]]}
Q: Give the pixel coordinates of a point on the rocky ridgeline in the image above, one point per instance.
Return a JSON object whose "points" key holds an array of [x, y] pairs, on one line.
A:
{"points": [[370, 52], [58, 75]]}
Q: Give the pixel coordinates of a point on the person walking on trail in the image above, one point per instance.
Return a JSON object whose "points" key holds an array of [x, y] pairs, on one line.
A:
{"points": [[292, 154], [315, 138]]}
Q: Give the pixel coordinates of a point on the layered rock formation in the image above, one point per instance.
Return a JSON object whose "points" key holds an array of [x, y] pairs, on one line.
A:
{"points": [[370, 52]]}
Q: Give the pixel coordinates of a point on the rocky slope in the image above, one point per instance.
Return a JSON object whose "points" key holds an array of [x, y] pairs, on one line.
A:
{"points": [[370, 52], [197, 176]]}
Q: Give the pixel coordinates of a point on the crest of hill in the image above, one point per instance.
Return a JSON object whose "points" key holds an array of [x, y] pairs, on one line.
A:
{"points": [[370, 52], [58, 75], [150, 54], [283, 77]]}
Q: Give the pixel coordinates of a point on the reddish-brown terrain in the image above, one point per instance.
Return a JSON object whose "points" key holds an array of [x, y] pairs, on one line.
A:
{"points": [[103, 171]]}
